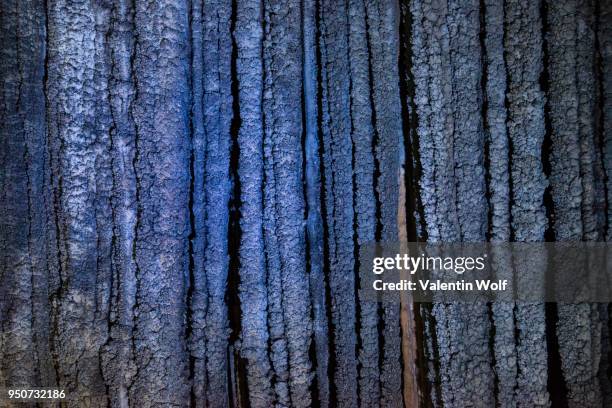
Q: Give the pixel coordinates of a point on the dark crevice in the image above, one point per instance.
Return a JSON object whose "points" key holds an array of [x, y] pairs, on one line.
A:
{"points": [[413, 210], [547, 145], [512, 200], [375, 139], [517, 337], [192, 226], [435, 359], [311, 147], [232, 382], [600, 130], [331, 329], [332, 363], [56, 295], [557, 389], [421, 361], [484, 81], [556, 386], [312, 349], [406, 88], [232, 297], [492, 332], [137, 224]]}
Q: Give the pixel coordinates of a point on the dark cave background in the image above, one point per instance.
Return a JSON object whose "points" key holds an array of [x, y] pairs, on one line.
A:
{"points": [[186, 186]]}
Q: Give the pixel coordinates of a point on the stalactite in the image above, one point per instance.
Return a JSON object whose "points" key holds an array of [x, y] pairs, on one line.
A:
{"points": [[362, 137], [161, 163], [198, 294], [453, 132], [435, 185], [495, 115], [468, 146], [383, 26], [117, 354], [524, 51], [603, 68], [283, 117], [218, 112], [80, 167], [563, 106], [24, 321], [605, 76], [337, 157], [570, 77], [313, 178], [248, 37], [276, 322]]}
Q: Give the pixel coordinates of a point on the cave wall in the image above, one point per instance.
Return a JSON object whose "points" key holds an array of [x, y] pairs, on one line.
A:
{"points": [[187, 187]]}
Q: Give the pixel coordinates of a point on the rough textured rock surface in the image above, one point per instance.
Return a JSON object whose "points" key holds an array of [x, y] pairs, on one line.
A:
{"points": [[188, 189], [571, 94], [447, 76]]}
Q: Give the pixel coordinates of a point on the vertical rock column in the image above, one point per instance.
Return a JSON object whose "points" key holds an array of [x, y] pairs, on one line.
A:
{"points": [[218, 116], [161, 165], [338, 176], [524, 59], [313, 179], [383, 46], [248, 37], [78, 122], [284, 199], [24, 256], [447, 73], [571, 95], [498, 186]]}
